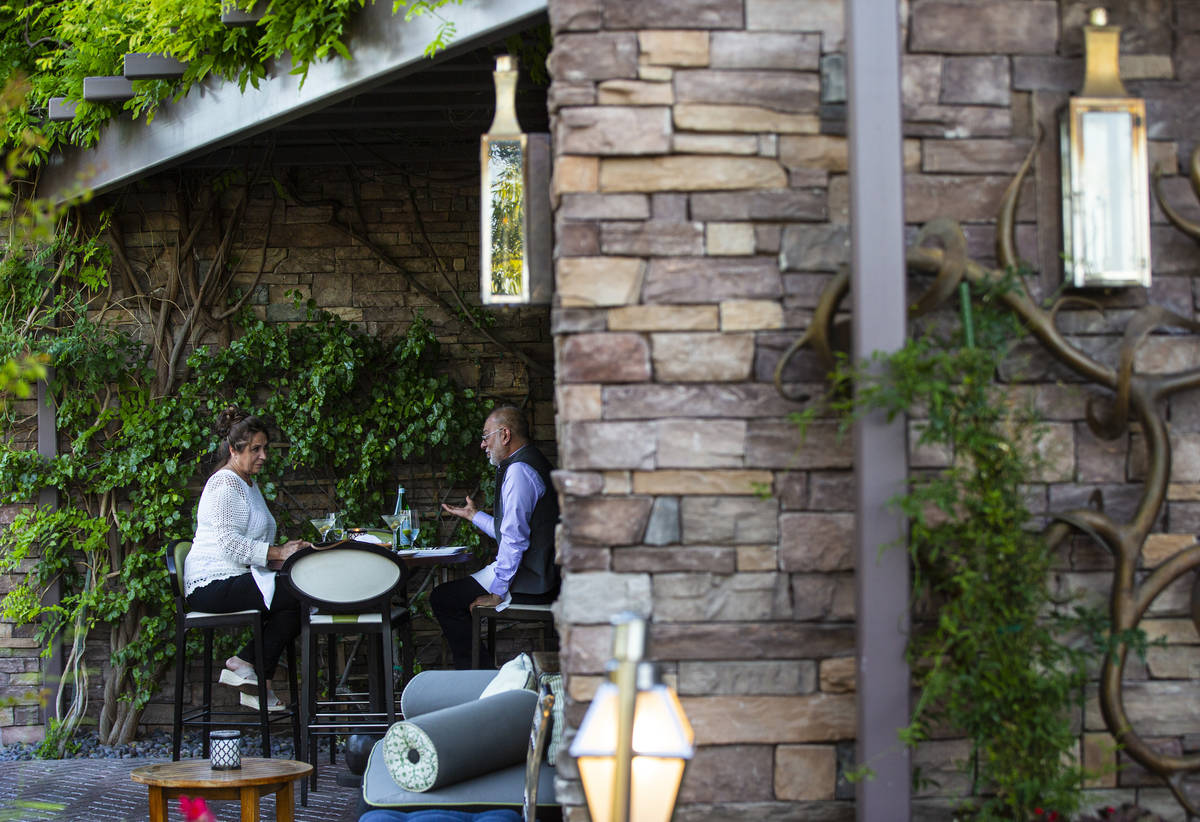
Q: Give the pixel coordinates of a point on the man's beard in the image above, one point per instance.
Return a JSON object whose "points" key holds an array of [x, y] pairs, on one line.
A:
{"points": [[493, 459]]}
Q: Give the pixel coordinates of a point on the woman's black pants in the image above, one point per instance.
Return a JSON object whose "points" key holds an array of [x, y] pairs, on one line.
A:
{"points": [[281, 622]]}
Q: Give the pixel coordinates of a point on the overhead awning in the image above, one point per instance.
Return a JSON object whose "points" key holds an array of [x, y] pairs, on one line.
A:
{"points": [[216, 113]]}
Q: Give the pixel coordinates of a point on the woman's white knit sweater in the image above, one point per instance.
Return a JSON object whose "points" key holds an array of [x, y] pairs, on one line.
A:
{"points": [[234, 530]]}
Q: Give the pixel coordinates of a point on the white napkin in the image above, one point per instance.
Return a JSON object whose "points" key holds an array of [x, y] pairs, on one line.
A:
{"points": [[264, 578], [485, 576]]}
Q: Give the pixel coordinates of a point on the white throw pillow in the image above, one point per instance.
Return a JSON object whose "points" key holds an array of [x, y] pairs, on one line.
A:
{"points": [[514, 675]]}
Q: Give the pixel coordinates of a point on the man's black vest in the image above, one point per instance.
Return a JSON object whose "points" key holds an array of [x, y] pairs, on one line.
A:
{"points": [[537, 573]]}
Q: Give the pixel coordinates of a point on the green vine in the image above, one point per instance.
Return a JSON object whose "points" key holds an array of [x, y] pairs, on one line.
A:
{"points": [[993, 654], [58, 44]]}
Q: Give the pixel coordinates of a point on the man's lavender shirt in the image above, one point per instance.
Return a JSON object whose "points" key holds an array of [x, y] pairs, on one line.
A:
{"points": [[520, 492]]}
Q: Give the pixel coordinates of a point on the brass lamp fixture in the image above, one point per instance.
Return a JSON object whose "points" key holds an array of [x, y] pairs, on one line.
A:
{"points": [[1105, 178], [635, 741], [514, 203]]}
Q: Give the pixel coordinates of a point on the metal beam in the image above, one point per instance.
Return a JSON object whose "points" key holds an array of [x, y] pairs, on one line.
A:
{"points": [[107, 89], [152, 67], [61, 110], [880, 457], [216, 113]]}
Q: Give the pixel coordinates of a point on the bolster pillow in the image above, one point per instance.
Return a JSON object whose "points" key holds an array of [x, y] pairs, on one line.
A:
{"points": [[447, 746]]}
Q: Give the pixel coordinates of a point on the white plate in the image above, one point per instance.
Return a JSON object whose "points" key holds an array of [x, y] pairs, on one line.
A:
{"points": [[444, 551], [371, 538]]}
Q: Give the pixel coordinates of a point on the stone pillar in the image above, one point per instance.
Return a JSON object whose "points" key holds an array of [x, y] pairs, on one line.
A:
{"points": [[692, 194]]}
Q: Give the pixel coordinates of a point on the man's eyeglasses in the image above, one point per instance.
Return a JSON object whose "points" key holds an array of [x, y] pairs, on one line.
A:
{"points": [[487, 434]]}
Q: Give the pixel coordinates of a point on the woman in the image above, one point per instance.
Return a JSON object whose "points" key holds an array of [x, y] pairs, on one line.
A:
{"points": [[226, 570]]}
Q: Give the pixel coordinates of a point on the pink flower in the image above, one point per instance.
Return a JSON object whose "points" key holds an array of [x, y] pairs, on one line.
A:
{"points": [[195, 809]]}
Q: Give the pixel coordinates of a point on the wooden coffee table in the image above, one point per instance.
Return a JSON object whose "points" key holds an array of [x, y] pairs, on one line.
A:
{"points": [[195, 777]]}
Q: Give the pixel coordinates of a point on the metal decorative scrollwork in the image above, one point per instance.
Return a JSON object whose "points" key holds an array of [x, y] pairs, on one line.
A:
{"points": [[1134, 397]]}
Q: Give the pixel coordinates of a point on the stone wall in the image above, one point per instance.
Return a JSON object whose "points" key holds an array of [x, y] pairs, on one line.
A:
{"points": [[701, 206], [308, 256]]}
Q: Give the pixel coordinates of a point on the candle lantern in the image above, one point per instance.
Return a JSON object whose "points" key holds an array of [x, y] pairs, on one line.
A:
{"points": [[225, 750]]}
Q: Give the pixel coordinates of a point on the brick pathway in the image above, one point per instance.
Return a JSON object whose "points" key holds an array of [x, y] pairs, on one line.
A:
{"points": [[100, 790]]}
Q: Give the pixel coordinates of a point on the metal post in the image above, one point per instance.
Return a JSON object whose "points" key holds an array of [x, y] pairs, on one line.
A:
{"points": [[880, 458], [48, 498], [629, 643]]}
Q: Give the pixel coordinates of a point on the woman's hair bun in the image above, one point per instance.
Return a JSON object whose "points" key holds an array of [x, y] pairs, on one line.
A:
{"points": [[228, 418]]}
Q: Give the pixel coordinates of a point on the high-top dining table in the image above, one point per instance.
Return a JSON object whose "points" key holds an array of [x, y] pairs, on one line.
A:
{"points": [[434, 559]]}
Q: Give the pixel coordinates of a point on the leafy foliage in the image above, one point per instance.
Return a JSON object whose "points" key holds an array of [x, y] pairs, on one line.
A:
{"points": [[993, 654], [58, 44]]}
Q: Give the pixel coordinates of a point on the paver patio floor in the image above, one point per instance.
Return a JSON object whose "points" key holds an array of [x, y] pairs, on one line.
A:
{"points": [[100, 790]]}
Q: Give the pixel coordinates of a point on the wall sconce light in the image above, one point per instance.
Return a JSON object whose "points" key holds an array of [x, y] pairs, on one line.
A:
{"points": [[1105, 177], [635, 741], [514, 207]]}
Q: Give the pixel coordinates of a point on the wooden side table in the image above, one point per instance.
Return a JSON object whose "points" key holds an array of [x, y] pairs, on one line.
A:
{"points": [[195, 777]]}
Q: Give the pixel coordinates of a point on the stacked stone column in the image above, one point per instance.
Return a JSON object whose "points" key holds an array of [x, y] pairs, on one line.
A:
{"points": [[693, 235]]}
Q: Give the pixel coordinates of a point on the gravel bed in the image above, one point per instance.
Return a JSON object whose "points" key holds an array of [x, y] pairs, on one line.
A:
{"points": [[157, 745]]}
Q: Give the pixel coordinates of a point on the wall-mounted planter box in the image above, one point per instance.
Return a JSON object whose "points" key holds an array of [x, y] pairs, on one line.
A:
{"points": [[61, 110], [106, 89], [231, 15], [153, 67]]}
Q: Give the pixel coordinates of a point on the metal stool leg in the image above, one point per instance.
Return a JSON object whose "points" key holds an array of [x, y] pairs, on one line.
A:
{"points": [[475, 618], [264, 685], [180, 673], [307, 694], [207, 702], [491, 634]]}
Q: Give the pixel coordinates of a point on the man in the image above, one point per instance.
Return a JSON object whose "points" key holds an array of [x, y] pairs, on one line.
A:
{"points": [[523, 527]]}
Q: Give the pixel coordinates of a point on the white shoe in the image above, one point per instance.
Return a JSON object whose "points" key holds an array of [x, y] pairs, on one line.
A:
{"points": [[238, 678], [251, 701]]}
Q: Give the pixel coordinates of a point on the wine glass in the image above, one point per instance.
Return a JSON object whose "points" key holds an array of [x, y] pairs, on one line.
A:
{"points": [[406, 526], [323, 525], [415, 527], [337, 528], [395, 522]]}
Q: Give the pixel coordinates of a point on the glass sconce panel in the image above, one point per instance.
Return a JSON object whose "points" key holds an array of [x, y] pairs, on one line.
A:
{"points": [[1106, 198], [505, 229]]}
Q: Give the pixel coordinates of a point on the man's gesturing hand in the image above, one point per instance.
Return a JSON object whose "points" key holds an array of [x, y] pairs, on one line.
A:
{"points": [[467, 511]]}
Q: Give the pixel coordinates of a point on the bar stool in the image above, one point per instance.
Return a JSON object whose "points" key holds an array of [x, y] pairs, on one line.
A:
{"points": [[515, 612], [348, 590], [204, 715]]}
